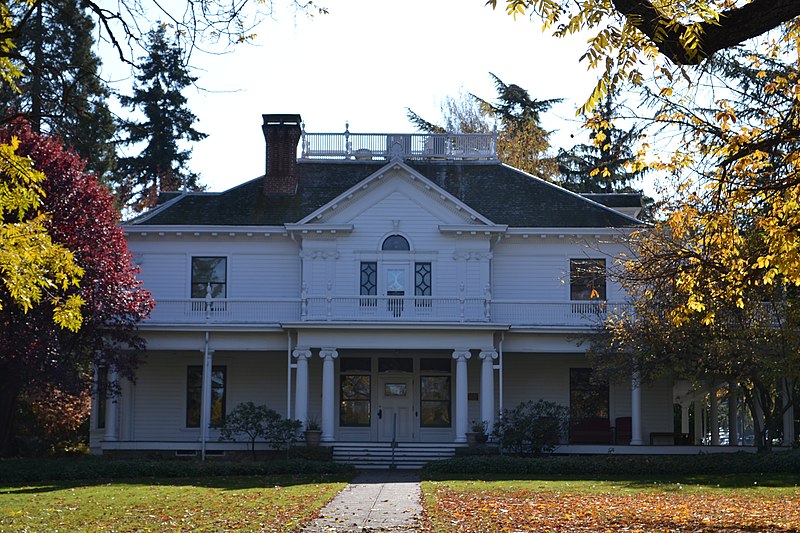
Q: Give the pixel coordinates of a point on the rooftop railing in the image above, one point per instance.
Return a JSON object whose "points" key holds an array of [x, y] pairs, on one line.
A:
{"points": [[385, 146]]}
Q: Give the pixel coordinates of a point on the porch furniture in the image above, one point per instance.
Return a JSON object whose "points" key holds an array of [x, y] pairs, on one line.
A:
{"points": [[622, 430], [592, 430], [675, 438]]}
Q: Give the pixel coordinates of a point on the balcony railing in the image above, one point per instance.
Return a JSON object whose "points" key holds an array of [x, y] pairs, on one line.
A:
{"points": [[384, 146], [383, 309]]}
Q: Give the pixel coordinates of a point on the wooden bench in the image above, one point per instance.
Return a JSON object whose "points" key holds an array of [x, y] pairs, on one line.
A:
{"points": [[594, 430], [677, 438]]}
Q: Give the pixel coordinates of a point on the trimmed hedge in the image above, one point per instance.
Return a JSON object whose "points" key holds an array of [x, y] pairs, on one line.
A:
{"points": [[613, 465], [107, 469]]}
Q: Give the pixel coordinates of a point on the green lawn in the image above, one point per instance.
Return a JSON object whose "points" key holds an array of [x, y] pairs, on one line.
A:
{"points": [[733, 503], [237, 503]]}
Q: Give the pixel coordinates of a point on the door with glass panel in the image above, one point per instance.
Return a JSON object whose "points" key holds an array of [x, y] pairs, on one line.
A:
{"points": [[395, 287], [396, 408]]}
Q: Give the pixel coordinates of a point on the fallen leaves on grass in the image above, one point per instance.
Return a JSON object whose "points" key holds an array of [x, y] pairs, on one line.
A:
{"points": [[557, 511]]}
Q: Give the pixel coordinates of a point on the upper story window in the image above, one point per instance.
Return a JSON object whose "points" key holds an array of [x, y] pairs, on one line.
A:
{"points": [[209, 272], [587, 279], [395, 243]]}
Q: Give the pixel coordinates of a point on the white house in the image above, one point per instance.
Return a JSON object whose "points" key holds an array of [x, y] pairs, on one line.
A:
{"points": [[392, 287]]}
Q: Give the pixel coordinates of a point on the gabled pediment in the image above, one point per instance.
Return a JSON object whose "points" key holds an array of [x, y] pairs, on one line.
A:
{"points": [[397, 190]]}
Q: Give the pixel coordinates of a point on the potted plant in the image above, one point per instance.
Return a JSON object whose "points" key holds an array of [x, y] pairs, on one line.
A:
{"points": [[313, 433], [477, 435]]}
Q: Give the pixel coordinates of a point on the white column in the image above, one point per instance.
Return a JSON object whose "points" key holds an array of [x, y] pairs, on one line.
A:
{"points": [[328, 399], [487, 388], [685, 417], [111, 405], [714, 416], [636, 410], [788, 418], [733, 414], [302, 355], [698, 422], [462, 414], [205, 400]]}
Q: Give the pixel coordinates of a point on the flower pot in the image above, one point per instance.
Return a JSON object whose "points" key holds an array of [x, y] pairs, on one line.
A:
{"points": [[312, 437]]}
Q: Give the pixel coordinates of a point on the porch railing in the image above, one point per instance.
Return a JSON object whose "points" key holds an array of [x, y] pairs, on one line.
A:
{"points": [[382, 146], [383, 309]]}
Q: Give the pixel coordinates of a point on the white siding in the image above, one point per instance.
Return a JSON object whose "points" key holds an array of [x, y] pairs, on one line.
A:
{"points": [[160, 390], [257, 266], [537, 268]]}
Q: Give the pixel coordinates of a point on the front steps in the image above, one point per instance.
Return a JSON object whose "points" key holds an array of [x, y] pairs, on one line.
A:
{"points": [[381, 455]]}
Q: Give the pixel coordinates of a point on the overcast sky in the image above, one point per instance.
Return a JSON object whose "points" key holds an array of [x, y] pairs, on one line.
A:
{"points": [[365, 62]]}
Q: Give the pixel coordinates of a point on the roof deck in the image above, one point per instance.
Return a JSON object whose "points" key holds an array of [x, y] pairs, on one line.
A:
{"points": [[386, 146]]}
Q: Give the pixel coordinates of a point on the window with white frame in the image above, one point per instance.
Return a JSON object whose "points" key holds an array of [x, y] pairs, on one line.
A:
{"points": [[587, 279], [209, 273]]}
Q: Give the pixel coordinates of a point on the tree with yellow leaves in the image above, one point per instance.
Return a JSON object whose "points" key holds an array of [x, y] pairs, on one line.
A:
{"points": [[32, 267], [718, 274]]}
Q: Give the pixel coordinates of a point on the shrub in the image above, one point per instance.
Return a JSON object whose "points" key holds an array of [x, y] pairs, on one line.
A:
{"points": [[582, 466], [532, 428], [259, 421], [14, 471]]}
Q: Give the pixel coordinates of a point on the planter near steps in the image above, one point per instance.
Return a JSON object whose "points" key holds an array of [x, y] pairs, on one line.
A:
{"points": [[313, 437]]}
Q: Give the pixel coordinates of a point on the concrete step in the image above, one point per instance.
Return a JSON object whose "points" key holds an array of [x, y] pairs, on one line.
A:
{"points": [[383, 455]]}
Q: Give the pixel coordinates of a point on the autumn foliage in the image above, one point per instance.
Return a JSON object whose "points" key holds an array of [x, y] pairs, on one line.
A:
{"points": [[36, 354], [484, 509]]}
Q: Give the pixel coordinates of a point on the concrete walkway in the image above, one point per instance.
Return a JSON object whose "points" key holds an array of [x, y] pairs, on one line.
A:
{"points": [[376, 500]]}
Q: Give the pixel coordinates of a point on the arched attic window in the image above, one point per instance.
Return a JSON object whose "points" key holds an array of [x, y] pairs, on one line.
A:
{"points": [[395, 243]]}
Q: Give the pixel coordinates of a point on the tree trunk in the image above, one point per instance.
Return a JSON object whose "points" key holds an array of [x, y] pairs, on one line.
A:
{"points": [[36, 74], [9, 392]]}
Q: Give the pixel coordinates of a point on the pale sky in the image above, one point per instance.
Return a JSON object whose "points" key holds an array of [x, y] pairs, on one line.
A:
{"points": [[365, 62]]}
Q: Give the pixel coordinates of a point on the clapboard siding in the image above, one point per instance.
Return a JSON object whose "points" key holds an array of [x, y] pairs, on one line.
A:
{"points": [[160, 390], [530, 376], [272, 272], [264, 276], [538, 269], [541, 376], [165, 275]]}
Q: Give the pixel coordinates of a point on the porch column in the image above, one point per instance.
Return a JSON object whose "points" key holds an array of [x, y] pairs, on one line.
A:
{"points": [[698, 422], [788, 417], [205, 400], [714, 416], [111, 406], [302, 355], [733, 414], [328, 400], [462, 415], [487, 388], [684, 417], [636, 410]]}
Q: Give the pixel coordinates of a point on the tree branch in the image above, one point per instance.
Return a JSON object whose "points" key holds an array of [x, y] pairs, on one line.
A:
{"points": [[735, 26]]}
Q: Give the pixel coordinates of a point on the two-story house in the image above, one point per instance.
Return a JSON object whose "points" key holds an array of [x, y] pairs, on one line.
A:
{"points": [[392, 287]]}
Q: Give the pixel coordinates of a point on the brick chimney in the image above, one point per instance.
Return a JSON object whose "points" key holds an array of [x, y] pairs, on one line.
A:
{"points": [[282, 133]]}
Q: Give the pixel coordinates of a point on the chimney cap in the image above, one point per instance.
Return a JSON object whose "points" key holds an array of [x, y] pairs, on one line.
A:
{"points": [[282, 118]]}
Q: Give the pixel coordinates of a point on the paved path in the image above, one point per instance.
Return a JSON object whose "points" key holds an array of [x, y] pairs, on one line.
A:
{"points": [[376, 500]]}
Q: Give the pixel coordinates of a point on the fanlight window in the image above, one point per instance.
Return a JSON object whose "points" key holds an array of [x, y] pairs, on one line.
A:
{"points": [[395, 243]]}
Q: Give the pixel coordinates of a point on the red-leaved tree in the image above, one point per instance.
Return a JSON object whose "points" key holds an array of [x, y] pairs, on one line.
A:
{"points": [[37, 355]]}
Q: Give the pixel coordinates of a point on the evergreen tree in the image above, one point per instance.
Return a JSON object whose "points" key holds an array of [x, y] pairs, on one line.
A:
{"points": [[162, 165], [62, 92], [522, 142], [602, 165]]}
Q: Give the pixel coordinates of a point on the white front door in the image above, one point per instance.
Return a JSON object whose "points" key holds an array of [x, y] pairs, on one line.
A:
{"points": [[396, 408]]}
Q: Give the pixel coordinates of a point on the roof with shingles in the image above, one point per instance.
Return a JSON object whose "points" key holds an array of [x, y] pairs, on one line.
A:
{"points": [[499, 192]]}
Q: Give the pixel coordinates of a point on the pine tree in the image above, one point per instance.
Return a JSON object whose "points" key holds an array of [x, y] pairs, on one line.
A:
{"points": [[62, 92], [522, 142], [602, 165], [162, 164]]}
